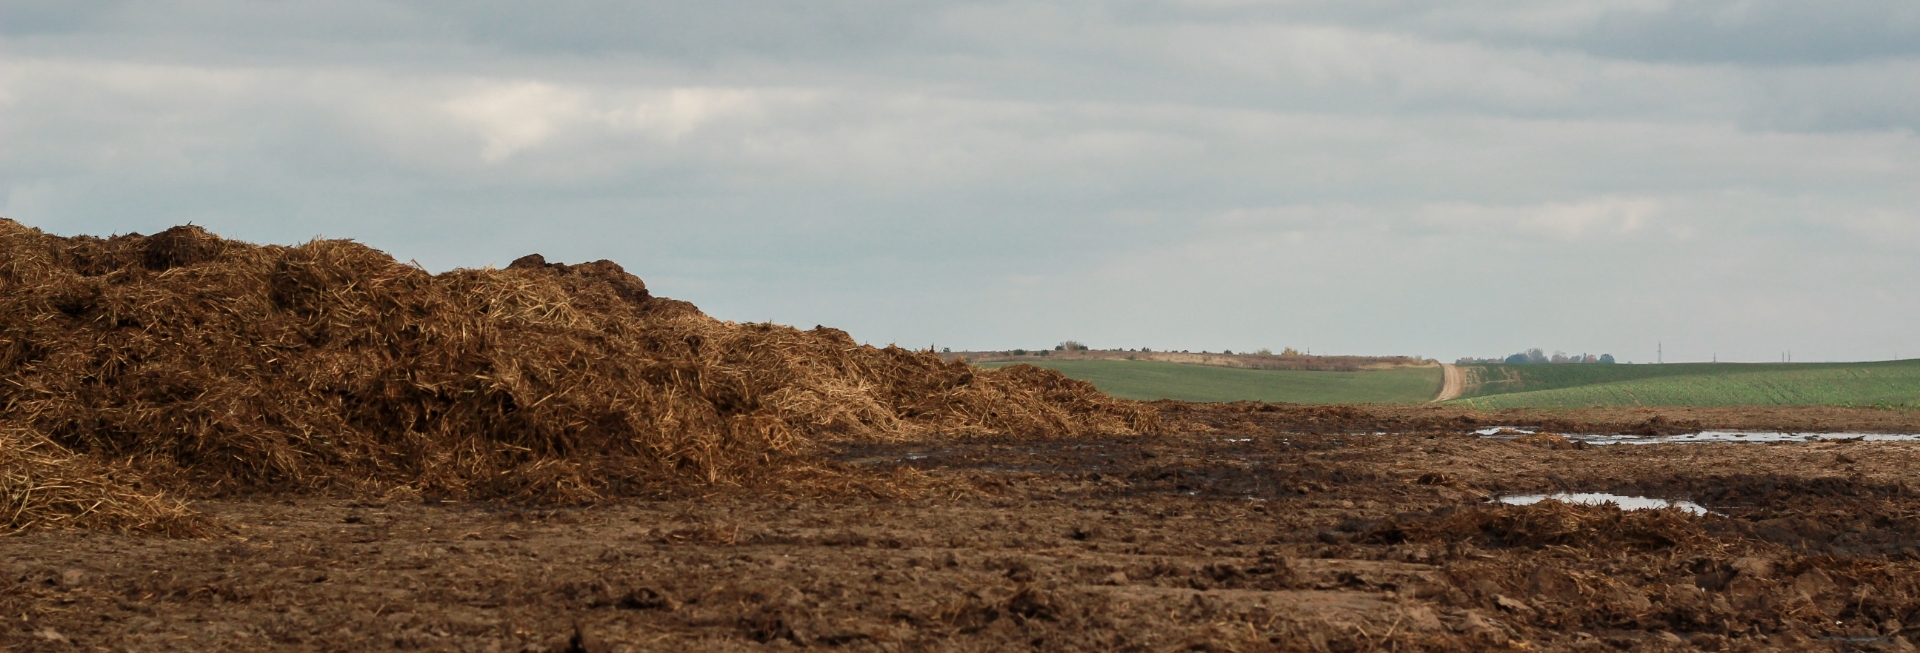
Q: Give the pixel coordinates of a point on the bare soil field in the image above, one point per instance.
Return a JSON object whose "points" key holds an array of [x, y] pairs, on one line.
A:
{"points": [[208, 444], [1240, 527]]}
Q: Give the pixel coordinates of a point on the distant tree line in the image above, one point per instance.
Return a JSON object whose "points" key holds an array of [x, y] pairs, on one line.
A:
{"points": [[1536, 356], [1260, 359]]}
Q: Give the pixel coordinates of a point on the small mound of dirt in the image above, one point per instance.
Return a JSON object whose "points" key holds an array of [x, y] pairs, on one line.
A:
{"points": [[208, 366], [1548, 523], [1660, 425], [1548, 441]]}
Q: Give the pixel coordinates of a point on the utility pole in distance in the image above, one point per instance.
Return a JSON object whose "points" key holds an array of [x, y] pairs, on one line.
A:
{"points": [[1659, 353]]}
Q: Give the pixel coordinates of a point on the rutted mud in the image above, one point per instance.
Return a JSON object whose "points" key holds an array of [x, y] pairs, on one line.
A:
{"points": [[1246, 529]]}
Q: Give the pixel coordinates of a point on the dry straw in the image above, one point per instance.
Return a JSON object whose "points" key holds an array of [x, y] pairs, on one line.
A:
{"points": [[205, 366], [42, 485]]}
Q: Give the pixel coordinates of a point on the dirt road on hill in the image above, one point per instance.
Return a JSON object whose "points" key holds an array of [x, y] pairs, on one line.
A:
{"points": [[1452, 382]]}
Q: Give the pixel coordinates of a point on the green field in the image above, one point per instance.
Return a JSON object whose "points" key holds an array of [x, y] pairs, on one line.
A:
{"points": [[1891, 383], [1156, 380]]}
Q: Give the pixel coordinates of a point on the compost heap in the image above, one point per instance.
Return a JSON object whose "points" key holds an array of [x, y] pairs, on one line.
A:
{"points": [[136, 370]]}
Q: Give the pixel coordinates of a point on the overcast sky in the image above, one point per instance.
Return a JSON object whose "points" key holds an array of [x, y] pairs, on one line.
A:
{"points": [[1733, 178]]}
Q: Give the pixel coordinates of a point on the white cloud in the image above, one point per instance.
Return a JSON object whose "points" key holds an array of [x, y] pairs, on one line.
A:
{"points": [[1602, 218], [1389, 71], [679, 111], [515, 116], [1886, 227]]}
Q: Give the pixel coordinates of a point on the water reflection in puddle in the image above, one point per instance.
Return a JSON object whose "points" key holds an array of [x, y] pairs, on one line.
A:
{"points": [[1600, 499], [1703, 436]]}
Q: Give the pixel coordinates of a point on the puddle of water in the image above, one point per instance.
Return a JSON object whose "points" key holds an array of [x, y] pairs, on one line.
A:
{"points": [[1598, 499], [1705, 436], [1763, 436]]}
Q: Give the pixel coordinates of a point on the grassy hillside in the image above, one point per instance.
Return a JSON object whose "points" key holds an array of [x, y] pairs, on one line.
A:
{"points": [[1892, 383], [1156, 380]]}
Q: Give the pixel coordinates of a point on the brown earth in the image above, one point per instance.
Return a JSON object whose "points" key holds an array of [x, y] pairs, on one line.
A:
{"points": [[1245, 527]]}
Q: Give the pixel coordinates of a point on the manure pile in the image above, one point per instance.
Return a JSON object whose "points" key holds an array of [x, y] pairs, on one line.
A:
{"points": [[139, 370]]}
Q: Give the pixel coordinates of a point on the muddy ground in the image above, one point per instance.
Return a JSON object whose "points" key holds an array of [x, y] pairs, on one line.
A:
{"points": [[1250, 528]]}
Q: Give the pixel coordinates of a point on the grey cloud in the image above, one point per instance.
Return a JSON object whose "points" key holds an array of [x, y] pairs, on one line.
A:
{"points": [[1536, 60], [1197, 175], [1757, 32], [1762, 32], [1872, 96], [1776, 32], [28, 17], [698, 30]]}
